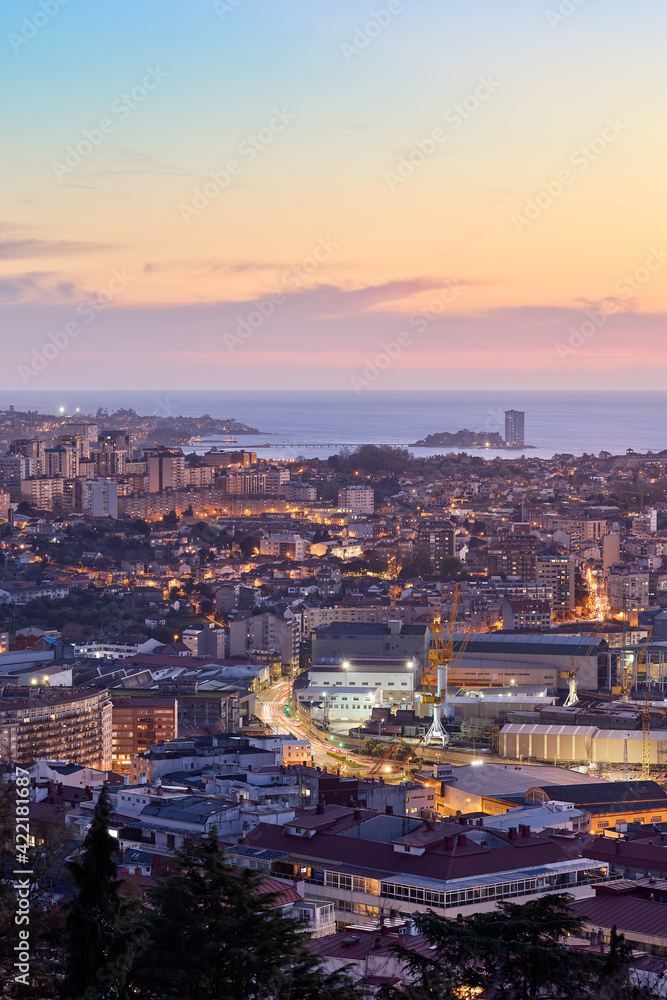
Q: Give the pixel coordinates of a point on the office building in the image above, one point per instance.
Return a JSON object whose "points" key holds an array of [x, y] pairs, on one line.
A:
{"points": [[514, 428]]}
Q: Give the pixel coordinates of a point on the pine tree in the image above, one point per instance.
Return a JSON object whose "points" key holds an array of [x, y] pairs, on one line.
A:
{"points": [[98, 950], [215, 935], [515, 952]]}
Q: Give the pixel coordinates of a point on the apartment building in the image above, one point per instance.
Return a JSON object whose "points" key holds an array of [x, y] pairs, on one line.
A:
{"points": [[139, 723], [284, 547], [295, 491], [97, 497], [73, 725], [358, 499]]}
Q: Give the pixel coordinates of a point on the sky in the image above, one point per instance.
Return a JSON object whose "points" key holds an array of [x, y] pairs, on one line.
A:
{"points": [[333, 194]]}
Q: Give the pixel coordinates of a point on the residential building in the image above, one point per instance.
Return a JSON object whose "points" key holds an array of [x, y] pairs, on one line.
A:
{"points": [[61, 462], [97, 497], [166, 471], [295, 491], [360, 499], [139, 723], [68, 724], [526, 615], [283, 547], [515, 428], [435, 543]]}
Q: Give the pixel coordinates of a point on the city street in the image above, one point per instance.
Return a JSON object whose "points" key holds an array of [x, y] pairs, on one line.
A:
{"points": [[271, 709]]}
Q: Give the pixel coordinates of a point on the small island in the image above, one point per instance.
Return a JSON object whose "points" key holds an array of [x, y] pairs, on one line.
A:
{"points": [[467, 439]]}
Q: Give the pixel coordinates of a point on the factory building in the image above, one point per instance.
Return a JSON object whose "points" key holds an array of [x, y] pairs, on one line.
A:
{"points": [[580, 745], [499, 660]]}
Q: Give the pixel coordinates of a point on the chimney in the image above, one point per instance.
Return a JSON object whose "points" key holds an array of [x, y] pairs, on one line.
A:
{"points": [[449, 843], [618, 847], [356, 814], [480, 821], [512, 832], [378, 943], [389, 810], [462, 840], [320, 809], [526, 831], [60, 788]]}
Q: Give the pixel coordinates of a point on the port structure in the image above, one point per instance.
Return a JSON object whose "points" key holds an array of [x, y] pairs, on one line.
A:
{"points": [[434, 677]]}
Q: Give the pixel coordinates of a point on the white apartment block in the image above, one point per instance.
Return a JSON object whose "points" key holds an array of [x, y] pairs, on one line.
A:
{"points": [[359, 499], [283, 547]]}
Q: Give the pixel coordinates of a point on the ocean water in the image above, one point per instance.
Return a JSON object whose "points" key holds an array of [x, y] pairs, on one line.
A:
{"points": [[314, 423]]}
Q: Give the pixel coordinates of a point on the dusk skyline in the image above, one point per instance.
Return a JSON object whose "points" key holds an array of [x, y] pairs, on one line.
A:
{"points": [[497, 171]]}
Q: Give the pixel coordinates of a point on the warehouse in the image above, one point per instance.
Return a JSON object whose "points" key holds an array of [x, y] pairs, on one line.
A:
{"points": [[497, 659], [581, 745]]}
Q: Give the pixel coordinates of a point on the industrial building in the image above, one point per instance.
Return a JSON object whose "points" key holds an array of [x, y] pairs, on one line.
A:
{"points": [[498, 660], [350, 641], [581, 745]]}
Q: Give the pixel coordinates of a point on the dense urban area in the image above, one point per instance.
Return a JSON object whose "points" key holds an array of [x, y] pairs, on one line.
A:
{"points": [[397, 700]]}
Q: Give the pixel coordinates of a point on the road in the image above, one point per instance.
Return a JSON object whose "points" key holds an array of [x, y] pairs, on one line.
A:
{"points": [[271, 709]]}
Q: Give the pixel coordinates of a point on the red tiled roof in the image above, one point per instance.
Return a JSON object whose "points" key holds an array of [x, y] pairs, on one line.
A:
{"points": [[628, 852], [458, 862], [631, 916]]}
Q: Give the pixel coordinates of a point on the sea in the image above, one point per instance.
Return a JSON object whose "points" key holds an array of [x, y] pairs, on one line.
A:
{"points": [[314, 423]]}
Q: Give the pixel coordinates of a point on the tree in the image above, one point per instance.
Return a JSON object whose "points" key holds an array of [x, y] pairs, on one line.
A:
{"points": [[215, 934], [99, 938], [515, 952]]}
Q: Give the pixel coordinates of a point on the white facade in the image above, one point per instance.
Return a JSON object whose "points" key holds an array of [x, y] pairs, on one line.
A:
{"points": [[359, 499], [99, 497], [396, 681]]}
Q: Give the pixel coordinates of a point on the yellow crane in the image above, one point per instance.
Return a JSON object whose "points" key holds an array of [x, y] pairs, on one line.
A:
{"points": [[434, 678]]}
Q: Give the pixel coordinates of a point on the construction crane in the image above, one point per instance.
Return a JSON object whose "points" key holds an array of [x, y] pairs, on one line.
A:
{"points": [[646, 739], [434, 677], [572, 675]]}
